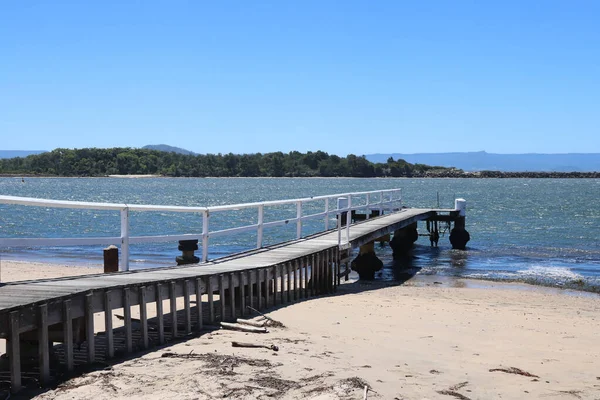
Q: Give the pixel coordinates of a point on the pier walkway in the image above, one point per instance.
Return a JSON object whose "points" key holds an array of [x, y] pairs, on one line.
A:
{"points": [[172, 302]]}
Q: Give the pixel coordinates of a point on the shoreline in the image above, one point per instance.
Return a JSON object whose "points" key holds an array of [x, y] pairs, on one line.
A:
{"points": [[422, 339]]}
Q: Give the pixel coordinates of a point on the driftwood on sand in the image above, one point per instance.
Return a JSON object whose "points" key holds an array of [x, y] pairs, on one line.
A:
{"points": [[272, 322], [255, 345], [257, 324], [243, 328]]}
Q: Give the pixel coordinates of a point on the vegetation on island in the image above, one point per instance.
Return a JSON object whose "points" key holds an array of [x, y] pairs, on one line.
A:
{"points": [[166, 147], [131, 161]]}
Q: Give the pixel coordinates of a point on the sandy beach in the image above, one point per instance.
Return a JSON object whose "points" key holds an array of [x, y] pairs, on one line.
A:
{"points": [[426, 339], [11, 271]]}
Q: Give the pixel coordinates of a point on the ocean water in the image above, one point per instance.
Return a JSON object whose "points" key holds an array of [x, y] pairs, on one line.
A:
{"points": [[541, 231]]}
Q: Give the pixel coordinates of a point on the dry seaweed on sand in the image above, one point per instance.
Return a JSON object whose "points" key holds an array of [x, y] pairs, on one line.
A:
{"points": [[350, 384], [454, 394], [271, 382], [513, 370], [220, 360], [346, 386], [574, 393], [74, 384], [458, 386]]}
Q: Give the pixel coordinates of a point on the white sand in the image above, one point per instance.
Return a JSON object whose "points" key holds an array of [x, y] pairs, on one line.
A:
{"points": [[417, 341], [12, 271]]}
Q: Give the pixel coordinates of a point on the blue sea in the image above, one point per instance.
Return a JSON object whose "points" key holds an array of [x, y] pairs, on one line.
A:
{"points": [[541, 231]]}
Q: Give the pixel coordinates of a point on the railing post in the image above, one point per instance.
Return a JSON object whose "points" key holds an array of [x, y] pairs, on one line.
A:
{"points": [[299, 220], [399, 198], [327, 214], [381, 203], [124, 239], [339, 228], [341, 204], [368, 203], [259, 233], [205, 236], [348, 218]]}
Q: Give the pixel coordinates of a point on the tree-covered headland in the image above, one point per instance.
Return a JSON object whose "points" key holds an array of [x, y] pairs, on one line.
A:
{"points": [[113, 161]]}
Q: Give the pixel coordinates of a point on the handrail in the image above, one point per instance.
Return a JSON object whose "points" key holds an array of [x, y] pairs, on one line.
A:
{"points": [[124, 240]]}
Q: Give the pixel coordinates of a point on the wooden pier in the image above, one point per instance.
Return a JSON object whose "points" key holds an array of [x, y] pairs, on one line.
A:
{"points": [[34, 315]]}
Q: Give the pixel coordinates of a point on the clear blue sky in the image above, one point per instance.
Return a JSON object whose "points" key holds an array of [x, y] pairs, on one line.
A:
{"points": [[344, 77]]}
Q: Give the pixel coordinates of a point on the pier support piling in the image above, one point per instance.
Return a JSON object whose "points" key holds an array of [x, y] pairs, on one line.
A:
{"points": [[366, 262], [459, 237], [403, 240]]}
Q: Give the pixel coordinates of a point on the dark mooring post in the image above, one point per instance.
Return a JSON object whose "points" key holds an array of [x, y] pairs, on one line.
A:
{"points": [[459, 237], [187, 256], [111, 259]]}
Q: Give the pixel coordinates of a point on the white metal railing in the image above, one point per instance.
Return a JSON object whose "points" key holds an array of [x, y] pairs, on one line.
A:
{"points": [[390, 199]]}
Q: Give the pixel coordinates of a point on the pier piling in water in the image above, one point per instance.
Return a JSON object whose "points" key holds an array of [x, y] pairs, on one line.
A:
{"points": [[366, 262], [459, 236]]}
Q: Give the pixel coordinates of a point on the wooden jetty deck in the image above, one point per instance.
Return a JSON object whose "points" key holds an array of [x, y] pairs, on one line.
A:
{"points": [[62, 310]]}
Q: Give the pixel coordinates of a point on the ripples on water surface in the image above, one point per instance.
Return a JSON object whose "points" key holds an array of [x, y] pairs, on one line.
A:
{"points": [[535, 230]]}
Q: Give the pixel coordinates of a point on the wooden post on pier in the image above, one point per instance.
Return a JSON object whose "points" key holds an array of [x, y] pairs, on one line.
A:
{"points": [[43, 344], [251, 288], [282, 284], [241, 277], [108, 326], [222, 296], [89, 328], [111, 259], [187, 307], [211, 302], [266, 286], [159, 313], [231, 287], [199, 303], [14, 352], [173, 304], [68, 334], [143, 315], [127, 323]]}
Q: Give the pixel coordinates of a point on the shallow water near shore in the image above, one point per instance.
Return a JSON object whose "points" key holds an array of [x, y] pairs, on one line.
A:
{"points": [[540, 231]]}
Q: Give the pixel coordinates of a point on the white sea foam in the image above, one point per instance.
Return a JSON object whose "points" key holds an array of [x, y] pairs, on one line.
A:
{"points": [[558, 273]]}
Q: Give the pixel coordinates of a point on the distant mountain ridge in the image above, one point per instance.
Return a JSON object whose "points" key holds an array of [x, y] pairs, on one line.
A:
{"points": [[483, 161], [167, 148], [19, 153]]}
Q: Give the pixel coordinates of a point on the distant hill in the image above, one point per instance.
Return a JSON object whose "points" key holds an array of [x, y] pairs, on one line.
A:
{"points": [[482, 161], [19, 153], [167, 148]]}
